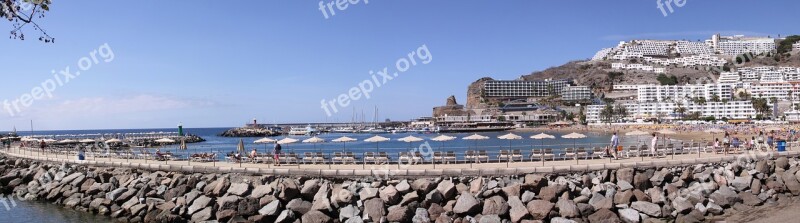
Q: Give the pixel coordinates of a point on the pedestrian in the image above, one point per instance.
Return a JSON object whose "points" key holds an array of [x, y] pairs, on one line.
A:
{"points": [[277, 152], [614, 144], [653, 144]]}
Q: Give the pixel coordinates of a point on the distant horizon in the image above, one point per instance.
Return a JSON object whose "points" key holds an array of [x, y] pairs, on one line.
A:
{"points": [[280, 61]]}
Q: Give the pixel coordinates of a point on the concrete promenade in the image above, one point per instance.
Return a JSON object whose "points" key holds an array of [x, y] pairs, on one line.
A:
{"points": [[395, 170]]}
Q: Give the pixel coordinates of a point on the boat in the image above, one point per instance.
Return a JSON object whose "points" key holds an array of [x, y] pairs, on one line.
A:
{"points": [[343, 130], [308, 130], [475, 127]]}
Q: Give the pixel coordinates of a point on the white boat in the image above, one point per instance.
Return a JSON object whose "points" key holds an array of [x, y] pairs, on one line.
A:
{"points": [[343, 130], [302, 130]]}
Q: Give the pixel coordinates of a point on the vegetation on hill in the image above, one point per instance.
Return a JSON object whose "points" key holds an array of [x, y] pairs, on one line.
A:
{"points": [[664, 80], [786, 45]]}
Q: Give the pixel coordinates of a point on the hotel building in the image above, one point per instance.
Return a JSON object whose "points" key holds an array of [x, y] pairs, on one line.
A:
{"points": [[524, 89], [666, 110]]}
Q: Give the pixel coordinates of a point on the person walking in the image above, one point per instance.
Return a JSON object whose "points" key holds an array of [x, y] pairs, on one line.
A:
{"points": [[614, 144], [653, 144], [277, 152]]}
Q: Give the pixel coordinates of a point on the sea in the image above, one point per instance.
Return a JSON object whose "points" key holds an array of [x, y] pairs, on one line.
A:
{"points": [[35, 211]]}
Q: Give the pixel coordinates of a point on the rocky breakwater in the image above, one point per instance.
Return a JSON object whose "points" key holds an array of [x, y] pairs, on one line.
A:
{"points": [[659, 194], [249, 132]]}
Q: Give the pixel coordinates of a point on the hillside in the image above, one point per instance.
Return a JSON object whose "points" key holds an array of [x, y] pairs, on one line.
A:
{"points": [[596, 75]]}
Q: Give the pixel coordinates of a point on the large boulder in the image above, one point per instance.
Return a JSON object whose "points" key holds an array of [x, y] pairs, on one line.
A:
{"points": [[495, 205], [518, 210], [239, 189], [316, 217], [447, 188], [604, 216], [567, 208], [466, 204], [373, 208], [647, 208], [390, 195], [539, 209]]}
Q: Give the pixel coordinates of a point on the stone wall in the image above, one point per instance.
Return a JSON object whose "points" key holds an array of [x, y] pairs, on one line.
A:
{"points": [[691, 193]]}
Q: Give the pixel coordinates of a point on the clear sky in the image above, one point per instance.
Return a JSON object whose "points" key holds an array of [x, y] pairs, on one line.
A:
{"points": [[220, 63]]}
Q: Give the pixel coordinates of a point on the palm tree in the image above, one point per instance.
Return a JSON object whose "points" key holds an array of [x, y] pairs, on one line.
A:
{"points": [[715, 98], [680, 110], [607, 113], [621, 112]]}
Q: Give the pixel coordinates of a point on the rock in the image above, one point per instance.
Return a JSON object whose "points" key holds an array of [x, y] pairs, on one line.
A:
{"points": [[398, 213], [390, 195], [647, 208], [239, 189], [599, 201], [316, 217], [527, 196], [221, 187], [403, 187], [466, 204], [714, 209], [421, 216], [511, 191], [373, 208], [749, 199], [725, 197], [476, 185], [228, 202], [782, 162], [367, 193], [604, 216], [682, 205], [198, 204], [322, 204], [495, 205], [539, 209], [791, 182], [271, 209], [741, 183], [641, 182], [288, 190], [114, 194], [629, 215], [447, 189], [549, 193], [561, 220], [567, 208], [490, 219], [623, 197], [348, 212], [286, 216], [202, 215], [518, 210], [625, 174], [409, 197], [299, 205], [310, 188], [624, 185], [423, 186], [260, 191]]}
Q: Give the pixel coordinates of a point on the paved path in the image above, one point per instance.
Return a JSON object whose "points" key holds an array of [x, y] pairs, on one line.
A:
{"points": [[421, 170]]}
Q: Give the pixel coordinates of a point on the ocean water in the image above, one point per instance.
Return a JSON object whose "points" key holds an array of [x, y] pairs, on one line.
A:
{"points": [[224, 145], [41, 212]]}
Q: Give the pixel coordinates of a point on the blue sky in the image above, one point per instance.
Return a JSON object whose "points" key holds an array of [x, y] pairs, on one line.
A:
{"points": [[208, 64]]}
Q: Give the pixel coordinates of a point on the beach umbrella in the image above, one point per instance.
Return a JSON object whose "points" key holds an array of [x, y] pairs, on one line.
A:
{"points": [[50, 140], [475, 137], [113, 141], [409, 140], [314, 140], [442, 139], [86, 141], [287, 140], [509, 137], [376, 139], [542, 136], [344, 140], [574, 136], [264, 141], [240, 149]]}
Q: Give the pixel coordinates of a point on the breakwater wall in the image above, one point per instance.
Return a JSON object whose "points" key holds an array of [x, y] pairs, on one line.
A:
{"points": [[681, 193]]}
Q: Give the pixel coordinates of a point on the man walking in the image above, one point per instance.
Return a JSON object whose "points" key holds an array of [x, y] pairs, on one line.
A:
{"points": [[614, 144]]}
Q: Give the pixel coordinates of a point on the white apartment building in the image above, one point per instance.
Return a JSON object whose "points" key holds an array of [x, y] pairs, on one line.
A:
{"points": [[778, 90], [729, 78], [737, 45], [666, 110], [693, 48], [769, 74], [602, 54], [626, 87], [796, 46], [636, 66], [576, 93], [648, 47], [523, 89], [658, 93]]}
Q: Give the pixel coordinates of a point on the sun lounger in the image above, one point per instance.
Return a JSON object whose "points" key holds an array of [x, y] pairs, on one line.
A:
{"points": [[503, 156], [383, 158], [369, 157], [450, 156], [319, 158], [516, 155], [437, 157], [417, 158], [470, 156], [483, 156], [581, 152], [569, 153]]}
